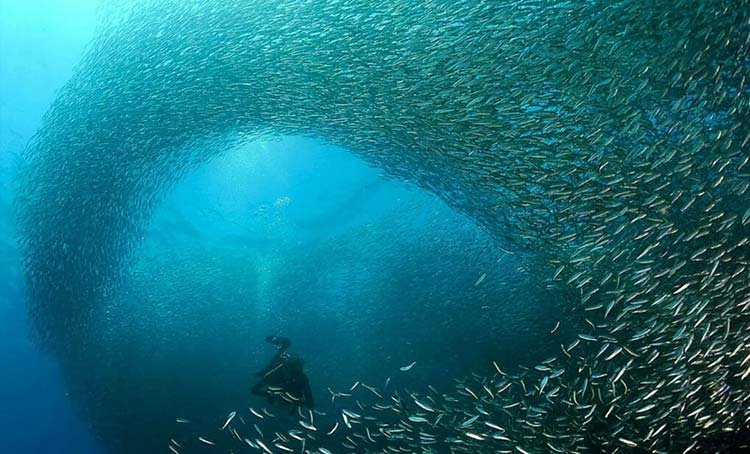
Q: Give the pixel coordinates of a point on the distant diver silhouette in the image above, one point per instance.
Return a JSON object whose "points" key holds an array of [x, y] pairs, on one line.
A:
{"points": [[283, 378]]}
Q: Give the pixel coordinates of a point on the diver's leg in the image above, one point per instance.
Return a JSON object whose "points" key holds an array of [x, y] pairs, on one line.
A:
{"points": [[306, 391]]}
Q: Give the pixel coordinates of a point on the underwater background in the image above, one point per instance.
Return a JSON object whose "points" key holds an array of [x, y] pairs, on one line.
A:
{"points": [[40, 42], [485, 226]]}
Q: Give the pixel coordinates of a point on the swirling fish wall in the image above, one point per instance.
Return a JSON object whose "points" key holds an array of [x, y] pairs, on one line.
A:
{"points": [[606, 141]]}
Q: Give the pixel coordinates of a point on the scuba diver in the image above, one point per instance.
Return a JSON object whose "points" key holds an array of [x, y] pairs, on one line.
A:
{"points": [[283, 377]]}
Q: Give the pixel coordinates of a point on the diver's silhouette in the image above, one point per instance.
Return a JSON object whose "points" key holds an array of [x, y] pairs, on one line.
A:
{"points": [[283, 377]]}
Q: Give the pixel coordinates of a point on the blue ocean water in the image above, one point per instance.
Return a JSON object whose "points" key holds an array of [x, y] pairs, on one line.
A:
{"points": [[40, 42]]}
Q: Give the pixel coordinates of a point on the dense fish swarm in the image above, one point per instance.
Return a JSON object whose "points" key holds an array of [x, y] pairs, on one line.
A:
{"points": [[608, 142]]}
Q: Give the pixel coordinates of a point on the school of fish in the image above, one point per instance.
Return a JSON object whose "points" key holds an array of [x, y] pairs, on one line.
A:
{"points": [[606, 143]]}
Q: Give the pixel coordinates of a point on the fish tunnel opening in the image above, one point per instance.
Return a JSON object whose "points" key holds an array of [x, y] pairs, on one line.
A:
{"points": [[363, 272]]}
